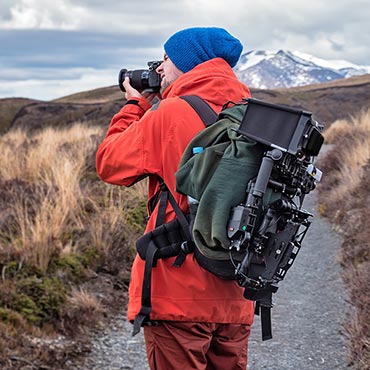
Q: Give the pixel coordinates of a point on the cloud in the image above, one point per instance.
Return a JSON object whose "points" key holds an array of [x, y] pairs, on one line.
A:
{"points": [[30, 48], [49, 64], [53, 84], [42, 14], [136, 17], [51, 40], [262, 24]]}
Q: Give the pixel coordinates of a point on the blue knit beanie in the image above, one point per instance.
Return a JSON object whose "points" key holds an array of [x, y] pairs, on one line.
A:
{"points": [[192, 46]]}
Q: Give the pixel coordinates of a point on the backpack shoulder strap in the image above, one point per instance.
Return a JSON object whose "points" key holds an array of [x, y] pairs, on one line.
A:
{"points": [[204, 110], [164, 195], [208, 116]]}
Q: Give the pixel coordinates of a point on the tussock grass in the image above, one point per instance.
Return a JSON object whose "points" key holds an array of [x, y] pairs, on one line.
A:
{"points": [[344, 127], [47, 155], [83, 309], [344, 196], [60, 228], [52, 162], [346, 163]]}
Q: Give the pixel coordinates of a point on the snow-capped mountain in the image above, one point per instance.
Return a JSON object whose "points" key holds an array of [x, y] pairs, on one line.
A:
{"points": [[268, 70]]}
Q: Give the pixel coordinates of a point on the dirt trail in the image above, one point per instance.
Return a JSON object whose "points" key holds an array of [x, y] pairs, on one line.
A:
{"points": [[310, 308]]}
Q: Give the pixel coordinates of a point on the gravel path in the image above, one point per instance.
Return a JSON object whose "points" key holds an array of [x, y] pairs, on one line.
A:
{"points": [[307, 318], [309, 309]]}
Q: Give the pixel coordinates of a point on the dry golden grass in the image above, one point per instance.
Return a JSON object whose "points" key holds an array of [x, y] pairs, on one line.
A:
{"points": [[114, 213], [52, 161], [344, 127], [83, 307], [352, 153], [61, 228], [48, 155], [344, 196], [110, 217]]}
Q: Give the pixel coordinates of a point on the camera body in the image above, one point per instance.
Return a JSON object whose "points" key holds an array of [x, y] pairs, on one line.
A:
{"points": [[147, 80]]}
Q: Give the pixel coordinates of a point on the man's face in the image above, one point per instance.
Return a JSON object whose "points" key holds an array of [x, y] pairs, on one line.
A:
{"points": [[168, 72]]}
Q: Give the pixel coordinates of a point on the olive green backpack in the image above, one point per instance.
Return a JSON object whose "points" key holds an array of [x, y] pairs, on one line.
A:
{"points": [[244, 221]]}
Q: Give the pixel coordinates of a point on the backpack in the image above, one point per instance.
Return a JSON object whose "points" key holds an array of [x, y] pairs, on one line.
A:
{"points": [[249, 180]]}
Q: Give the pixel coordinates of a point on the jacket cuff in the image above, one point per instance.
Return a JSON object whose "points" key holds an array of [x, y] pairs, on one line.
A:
{"points": [[140, 102], [132, 101]]}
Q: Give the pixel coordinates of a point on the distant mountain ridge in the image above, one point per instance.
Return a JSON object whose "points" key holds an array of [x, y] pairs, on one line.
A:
{"points": [[328, 101], [284, 69]]}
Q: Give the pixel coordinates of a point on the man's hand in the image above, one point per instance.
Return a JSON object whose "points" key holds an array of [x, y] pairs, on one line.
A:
{"points": [[133, 93], [130, 91]]}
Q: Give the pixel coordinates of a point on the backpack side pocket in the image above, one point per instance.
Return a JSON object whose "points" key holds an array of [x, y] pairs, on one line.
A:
{"points": [[193, 177]]}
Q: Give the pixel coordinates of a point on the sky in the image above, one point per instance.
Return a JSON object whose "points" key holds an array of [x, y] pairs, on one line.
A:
{"points": [[50, 49]]}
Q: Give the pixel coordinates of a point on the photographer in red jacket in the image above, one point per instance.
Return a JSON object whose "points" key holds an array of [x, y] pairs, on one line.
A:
{"points": [[203, 321]]}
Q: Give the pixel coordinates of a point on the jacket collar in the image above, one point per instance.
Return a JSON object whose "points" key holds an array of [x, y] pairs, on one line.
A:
{"points": [[201, 78]]}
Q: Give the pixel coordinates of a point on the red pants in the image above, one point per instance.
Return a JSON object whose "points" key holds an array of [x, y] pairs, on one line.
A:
{"points": [[174, 345]]}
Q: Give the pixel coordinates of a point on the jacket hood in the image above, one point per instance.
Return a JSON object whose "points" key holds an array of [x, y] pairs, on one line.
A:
{"points": [[213, 80]]}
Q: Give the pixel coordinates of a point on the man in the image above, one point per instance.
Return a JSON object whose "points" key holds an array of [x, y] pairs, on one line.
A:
{"points": [[203, 321]]}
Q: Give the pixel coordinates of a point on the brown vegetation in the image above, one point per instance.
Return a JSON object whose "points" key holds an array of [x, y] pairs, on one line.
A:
{"points": [[65, 243], [344, 198], [66, 237], [330, 101], [8, 110]]}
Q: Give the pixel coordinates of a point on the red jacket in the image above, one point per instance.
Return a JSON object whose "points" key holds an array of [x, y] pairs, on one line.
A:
{"points": [[145, 140]]}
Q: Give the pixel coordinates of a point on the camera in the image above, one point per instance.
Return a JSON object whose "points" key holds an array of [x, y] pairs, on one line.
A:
{"points": [[147, 80]]}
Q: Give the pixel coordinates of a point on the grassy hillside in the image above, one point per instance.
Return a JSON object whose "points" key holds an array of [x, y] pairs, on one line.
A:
{"points": [[329, 102], [65, 244], [96, 96], [344, 198], [8, 110], [66, 237]]}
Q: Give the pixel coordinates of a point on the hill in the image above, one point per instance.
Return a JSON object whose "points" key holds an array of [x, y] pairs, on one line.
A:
{"points": [[66, 237], [328, 101], [8, 110]]}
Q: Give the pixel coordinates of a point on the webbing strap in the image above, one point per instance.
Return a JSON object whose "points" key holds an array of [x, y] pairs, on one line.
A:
{"points": [[167, 195], [263, 307], [185, 248], [266, 323], [146, 305], [162, 203], [205, 112]]}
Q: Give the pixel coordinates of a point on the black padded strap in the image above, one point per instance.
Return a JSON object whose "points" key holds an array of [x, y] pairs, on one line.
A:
{"points": [[146, 304], [205, 112]]}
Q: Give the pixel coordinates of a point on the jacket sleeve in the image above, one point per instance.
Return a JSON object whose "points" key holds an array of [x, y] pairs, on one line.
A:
{"points": [[127, 152]]}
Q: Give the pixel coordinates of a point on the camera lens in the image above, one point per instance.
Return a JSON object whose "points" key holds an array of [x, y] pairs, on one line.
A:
{"points": [[138, 79]]}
